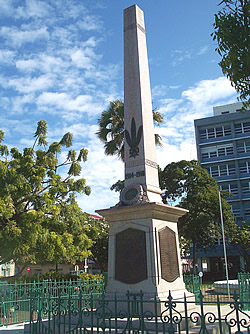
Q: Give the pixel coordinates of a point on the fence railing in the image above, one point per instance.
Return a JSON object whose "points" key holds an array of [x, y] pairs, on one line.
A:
{"points": [[15, 297], [133, 313], [211, 291]]}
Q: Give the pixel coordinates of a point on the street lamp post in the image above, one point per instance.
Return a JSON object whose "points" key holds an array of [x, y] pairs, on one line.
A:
{"points": [[224, 245]]}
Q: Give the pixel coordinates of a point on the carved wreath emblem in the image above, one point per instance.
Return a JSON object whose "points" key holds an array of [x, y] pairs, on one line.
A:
{"points": [[134, 139]]}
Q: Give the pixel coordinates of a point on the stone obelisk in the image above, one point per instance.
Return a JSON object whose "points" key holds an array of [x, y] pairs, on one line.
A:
{"points": [[143, 240], [140, 156]]}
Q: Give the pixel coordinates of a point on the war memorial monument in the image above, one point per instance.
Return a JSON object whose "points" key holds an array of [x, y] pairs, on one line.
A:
{"points": [[144, 253]]}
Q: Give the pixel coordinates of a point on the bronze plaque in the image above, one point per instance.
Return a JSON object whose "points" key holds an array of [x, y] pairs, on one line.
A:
{"points": [[169, 258], [130, 256]]}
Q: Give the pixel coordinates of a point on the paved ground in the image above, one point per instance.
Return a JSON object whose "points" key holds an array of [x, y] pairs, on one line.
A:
{"points": [[14, 329]]}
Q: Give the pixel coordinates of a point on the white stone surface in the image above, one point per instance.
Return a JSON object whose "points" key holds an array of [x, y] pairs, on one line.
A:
{"points": [[141, 169], [151, 218], [138, 104]]}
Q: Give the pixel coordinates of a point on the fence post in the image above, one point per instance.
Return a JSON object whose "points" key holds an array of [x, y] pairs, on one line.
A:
{"points": [[203, 323], [219, 314], [31, 313], [186, 313]]}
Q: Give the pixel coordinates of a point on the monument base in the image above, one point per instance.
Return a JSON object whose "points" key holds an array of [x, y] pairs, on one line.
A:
{"points": [[143, 304], [144, 253]]}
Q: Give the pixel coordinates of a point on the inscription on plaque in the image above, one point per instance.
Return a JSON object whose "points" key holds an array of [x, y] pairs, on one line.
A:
{"points": [[130, 256], [169, 258]]}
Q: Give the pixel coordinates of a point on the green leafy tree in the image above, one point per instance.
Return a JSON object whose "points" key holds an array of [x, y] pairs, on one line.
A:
{"points": [[39, 217], [241, 237], [118, 186], [231, 31], [196, 191], [111, 128], [99, 233]]}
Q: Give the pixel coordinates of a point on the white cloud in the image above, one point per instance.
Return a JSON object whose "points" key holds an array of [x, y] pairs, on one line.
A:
{"points": [[17, 37], [33, 8], [173, 153], [179, 56], [84, 58], [6, 7], [90, 22], [27, 65], [64, 101], [159, 90], [209, 91], [174, 87], [7, 57], [203, 50], [19, 104], [179, 114], [27, 85]]}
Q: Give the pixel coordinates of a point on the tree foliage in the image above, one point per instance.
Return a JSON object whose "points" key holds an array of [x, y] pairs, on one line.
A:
{"points": [[231, 31], [111, 128], [40, 219], [241, 237], [99, 233], [196, 191]]}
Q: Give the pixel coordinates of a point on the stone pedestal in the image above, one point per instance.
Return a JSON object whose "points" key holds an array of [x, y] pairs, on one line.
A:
{"points": [[144, 252]]}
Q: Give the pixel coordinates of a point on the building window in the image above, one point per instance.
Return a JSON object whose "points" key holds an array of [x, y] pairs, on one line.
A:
{"points": [[229, 150], [203, 134], [242, 128], [246, 209], [214, 171], [221, 170], [219, 132], [238, 128], [210, 133], [231, 169], [230, 187], [245, 188], [227, 131], [225, 151], [244, 167], [217, 151], [246, 127], [243, 147], [213, 154], [204, 155], [236, 210]]}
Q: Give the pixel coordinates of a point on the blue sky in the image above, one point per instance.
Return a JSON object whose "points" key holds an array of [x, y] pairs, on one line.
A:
{"points": [[62, 61]]}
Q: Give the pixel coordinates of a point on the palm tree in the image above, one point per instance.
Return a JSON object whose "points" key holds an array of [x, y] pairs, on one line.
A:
{"points": [[111, 128]]}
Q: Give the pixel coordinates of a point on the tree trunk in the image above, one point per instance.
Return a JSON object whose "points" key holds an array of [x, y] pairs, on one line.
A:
{"points": [[246, 258]]}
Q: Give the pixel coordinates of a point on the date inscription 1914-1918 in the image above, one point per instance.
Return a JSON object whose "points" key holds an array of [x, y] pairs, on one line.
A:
{"points": [[136, 174]]}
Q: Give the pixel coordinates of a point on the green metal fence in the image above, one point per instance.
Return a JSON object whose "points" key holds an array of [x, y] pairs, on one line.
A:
{"points": [[192, 284], [15, 297], [244, 289], [133, 313], [48, 300], [210, 292]]}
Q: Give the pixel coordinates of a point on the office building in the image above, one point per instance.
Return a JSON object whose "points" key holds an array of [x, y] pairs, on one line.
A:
{"points": [[223, 148]]}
